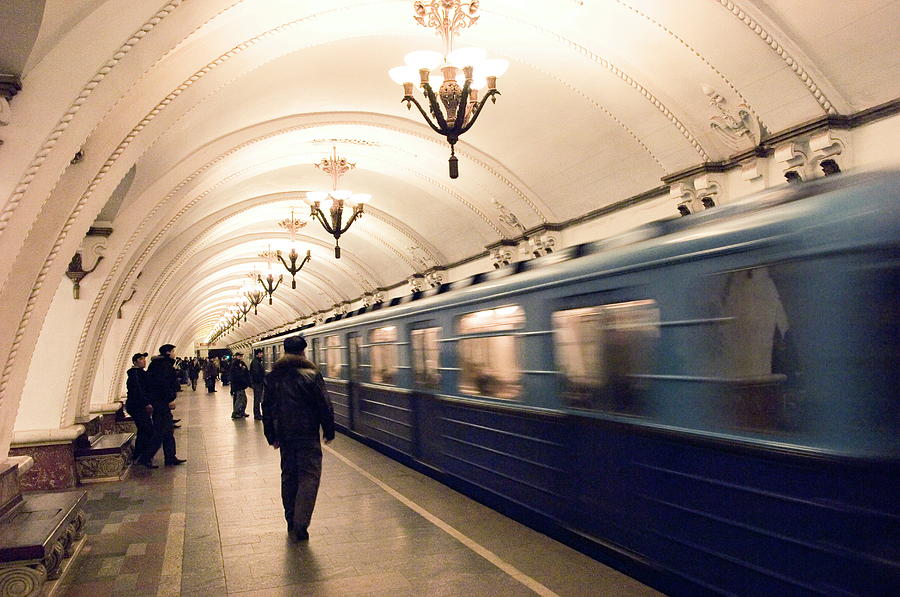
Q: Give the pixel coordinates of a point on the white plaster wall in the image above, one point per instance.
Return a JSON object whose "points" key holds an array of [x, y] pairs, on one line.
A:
{"points": [[48, 372]]}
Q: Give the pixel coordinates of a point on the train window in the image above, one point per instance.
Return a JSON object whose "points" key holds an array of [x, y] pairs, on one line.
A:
{"points": [[277, 351], [492, 320], [383, 354], [489, 362], [354, 340], [425, 356], [602, 350], [332, 356], [750, 357]]}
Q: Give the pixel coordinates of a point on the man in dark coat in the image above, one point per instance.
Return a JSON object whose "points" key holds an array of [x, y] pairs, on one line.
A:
{"points": [[295, 405], [162, 383], [257, 381], [240, 381], [140, 408]]}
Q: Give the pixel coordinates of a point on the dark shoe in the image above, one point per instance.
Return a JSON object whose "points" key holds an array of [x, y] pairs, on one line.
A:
{"points": [[176, 420], [300, 535], [175, 461], [176, 426], [148, 465], [236, 417], [255, 418], [244, 415]]}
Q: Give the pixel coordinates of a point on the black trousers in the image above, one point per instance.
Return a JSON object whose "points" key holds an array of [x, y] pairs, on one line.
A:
{"points": [[144, 439], [257, 400], [163, 433], [301, 469]]}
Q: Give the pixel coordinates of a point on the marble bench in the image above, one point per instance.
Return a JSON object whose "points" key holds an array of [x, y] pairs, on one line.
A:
{"points": [[105, 457], [39, 537]]}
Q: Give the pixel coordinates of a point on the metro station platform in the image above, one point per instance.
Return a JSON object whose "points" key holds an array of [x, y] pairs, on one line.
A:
{"points": [[214, 526]]}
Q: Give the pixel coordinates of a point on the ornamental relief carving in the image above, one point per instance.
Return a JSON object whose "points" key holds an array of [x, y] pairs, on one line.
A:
{"points": [[736, 127]]}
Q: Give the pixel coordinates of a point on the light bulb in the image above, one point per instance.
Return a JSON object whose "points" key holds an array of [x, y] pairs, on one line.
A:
{"points": [[325, 204], [494, 67], [423, 59], [316, 196], [403, 74], [341, 194], [466, 57], [360, 198]]}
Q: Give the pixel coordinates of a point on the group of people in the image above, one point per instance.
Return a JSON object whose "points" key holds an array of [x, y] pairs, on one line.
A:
{"points": [[150, 402], [291, 401]]}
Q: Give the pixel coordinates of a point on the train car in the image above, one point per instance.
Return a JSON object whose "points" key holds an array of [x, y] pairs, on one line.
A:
{"points": [[707, 403]]}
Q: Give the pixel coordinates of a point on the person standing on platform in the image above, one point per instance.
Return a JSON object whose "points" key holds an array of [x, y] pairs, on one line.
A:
{"points": [[257, 381], [163, 384], [240, 381], [225, 371], [194, 372], [210, 372], [139, 407], [295, 405]]}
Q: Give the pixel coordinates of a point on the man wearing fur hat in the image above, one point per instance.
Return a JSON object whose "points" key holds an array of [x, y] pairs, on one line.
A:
{"points": [[295, 405]]}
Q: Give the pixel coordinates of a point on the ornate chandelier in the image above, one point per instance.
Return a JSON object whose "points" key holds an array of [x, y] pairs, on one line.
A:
{"points": [[463, 73], [333, 201], [293, 225]]}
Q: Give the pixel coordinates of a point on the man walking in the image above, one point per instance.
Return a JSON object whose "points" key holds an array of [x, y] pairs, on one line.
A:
{"points": [[240, 381], [162, 383], [295, 405], [140, 408], [257, 379]]}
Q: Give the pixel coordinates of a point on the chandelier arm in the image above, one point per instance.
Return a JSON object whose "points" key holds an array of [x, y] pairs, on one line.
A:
{"points": [[352, 219], [435, 108], [425, 115], [461, 109], [283, 262], [321, 218], [477, 111]]}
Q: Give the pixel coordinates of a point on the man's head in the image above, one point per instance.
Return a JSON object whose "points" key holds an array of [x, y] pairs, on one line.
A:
{"points": [[258, 353], [166, 350], [139, 359], [238, 355], [294, 344]]}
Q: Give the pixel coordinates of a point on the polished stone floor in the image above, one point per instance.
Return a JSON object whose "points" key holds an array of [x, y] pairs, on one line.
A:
{"points": [[214, 526]]}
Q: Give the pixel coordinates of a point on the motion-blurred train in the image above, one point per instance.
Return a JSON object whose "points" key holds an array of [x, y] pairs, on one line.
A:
{"points": [[708, 403]]}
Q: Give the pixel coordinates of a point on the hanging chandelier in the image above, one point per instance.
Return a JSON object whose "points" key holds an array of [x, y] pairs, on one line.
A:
{"points": [[334, 201], [463, 73], [293, 225]]}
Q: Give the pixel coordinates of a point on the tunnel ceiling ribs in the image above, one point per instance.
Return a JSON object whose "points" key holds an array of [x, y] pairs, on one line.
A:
{"points": [[199, 126]]}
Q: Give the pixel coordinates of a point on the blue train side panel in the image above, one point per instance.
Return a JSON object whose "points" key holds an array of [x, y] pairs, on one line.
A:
{"points": [[703, 482]]}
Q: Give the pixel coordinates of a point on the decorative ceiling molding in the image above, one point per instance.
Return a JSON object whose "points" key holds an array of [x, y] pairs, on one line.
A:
{"points": [[795, 66], [622, 75], [39, 158], [693, 51]]}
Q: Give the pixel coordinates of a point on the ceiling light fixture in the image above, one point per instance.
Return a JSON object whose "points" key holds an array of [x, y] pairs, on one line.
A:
{"points": [[464, 72], [333, 201], [293, 225]]}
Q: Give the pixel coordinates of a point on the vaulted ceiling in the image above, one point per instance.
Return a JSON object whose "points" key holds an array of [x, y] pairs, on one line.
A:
{"points": [[200, 121]]}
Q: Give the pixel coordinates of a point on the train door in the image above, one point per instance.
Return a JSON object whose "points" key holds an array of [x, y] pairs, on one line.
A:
{"points": [[425, 362], [354, 373]]}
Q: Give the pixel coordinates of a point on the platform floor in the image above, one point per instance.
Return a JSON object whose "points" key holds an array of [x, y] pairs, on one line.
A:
{"points": [[214, 526]]}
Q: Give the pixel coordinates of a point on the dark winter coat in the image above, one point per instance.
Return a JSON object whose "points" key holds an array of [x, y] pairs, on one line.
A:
{"points": [[136, 385], [257, 371], [240, 376], [162, 380], [295, 402]]}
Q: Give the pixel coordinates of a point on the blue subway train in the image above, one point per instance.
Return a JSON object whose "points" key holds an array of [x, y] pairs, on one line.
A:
{"points": [[708, 403]]}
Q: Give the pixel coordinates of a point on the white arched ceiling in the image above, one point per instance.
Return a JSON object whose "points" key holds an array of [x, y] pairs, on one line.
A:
{"points": [[216, 111]]}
